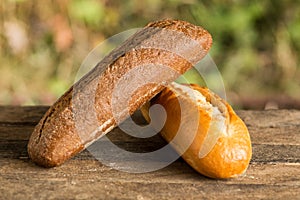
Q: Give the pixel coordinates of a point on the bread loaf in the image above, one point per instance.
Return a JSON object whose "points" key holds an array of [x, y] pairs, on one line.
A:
{"points": [[118, 85], [204, 129]]}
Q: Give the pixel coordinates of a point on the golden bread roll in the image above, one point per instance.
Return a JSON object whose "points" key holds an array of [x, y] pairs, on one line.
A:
{"points": [[220, 146]]}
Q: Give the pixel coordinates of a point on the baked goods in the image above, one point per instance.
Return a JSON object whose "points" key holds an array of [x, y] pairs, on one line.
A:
{"points": [[220, 146], [138, 70]]}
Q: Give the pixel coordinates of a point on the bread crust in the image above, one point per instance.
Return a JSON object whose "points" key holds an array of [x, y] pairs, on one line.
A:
{"points": [[85, 112], [228, 156]]}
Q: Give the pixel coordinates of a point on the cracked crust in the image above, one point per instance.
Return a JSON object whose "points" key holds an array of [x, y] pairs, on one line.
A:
{"points": [[227, 155]]}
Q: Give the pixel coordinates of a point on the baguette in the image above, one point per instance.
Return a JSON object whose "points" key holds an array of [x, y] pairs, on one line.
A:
{"points": [[94, 105], [221, 145]]}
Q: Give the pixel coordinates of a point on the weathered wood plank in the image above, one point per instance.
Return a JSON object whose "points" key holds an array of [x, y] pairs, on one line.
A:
{"points": [[11, 115], [94, 180], [134, 190], [15, 149], [13, 141], [274, 172], [264, 129], [15, 132], [270, 118]]}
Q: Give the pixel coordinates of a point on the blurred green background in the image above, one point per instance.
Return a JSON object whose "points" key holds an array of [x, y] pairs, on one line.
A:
{"points": [[256, 44]]}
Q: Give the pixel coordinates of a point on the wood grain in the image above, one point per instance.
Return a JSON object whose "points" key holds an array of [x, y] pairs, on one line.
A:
{"points": [[274, 172]]}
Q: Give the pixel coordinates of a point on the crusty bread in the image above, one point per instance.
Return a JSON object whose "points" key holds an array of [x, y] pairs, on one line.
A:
{"points": [[204, 129], [159, 53]]}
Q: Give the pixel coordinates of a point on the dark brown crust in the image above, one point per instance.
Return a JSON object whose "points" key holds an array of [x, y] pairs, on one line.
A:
{"points": [[56, 138]]}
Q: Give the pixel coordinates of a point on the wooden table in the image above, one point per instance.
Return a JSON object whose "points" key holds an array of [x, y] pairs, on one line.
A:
{"points": [[274, 172]]}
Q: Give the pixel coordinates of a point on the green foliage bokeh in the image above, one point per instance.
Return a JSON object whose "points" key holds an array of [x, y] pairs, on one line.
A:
{"points": [[256, 43]]}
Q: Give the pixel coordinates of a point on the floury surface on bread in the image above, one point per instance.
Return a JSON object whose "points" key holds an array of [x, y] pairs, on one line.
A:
{"points": [[118, 85]]}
